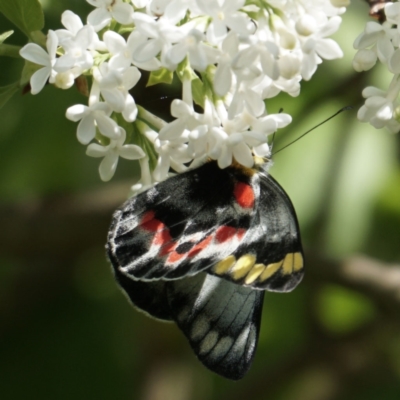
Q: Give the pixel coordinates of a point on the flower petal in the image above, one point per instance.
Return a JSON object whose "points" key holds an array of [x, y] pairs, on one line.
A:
{"points": [[34, 53], [131, 152], [108, 166], [39, 79], [86, 130]]}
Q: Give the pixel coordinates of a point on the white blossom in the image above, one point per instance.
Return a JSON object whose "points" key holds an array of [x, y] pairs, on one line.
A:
{"points": [[160, 36], [381, 42], [238, 55], [92, 117], [225, 15], [380, 107], [378, 38], [34, 53], [111, 154], [76, 54], [123, 52], [107, 10], [114, 85], [200, 55]]}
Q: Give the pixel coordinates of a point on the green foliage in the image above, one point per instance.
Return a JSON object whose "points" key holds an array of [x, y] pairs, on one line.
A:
{"points": [[6, 92], [161, 76], [341, 310], [27, 15], [5, 35]]}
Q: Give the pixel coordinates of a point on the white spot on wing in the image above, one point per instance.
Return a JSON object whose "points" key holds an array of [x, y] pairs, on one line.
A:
{"points": [[221, 348], [183, 315], [208, 342], [200, 327]]}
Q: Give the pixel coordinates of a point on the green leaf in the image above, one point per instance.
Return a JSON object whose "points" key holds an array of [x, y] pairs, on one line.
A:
{"points": [[6, 92], [7, 50], [5, 35], [162, 75], [342, 310], [28, 70], [27, 15], [198, 92]]}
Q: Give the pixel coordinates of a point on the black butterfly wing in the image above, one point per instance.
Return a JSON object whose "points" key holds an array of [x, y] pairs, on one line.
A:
{"points": [[239, 227], [183, 225], [270, 256], [220, 319], [149, 297]]}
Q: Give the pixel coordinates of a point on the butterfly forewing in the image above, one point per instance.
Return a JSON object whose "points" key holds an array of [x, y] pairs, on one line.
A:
{"points": [[183, 225]]}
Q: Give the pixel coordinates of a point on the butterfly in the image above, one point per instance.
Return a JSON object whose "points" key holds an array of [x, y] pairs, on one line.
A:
{"points": [[201, 248]]}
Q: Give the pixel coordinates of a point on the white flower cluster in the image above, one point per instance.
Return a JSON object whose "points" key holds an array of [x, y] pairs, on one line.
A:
{"points": [[242, 52], [381, 42]]}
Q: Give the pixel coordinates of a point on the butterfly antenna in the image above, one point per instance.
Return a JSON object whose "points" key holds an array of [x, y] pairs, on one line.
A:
{"points": [[315, 127], [272, 141]]}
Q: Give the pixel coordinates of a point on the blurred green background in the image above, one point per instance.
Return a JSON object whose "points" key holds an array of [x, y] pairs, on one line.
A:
{"points": [[67, 332]]}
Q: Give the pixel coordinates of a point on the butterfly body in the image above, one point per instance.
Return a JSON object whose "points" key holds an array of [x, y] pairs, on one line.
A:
{"points": [[200, 249]]}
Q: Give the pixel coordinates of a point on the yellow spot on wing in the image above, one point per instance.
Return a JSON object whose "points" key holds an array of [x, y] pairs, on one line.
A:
{"points": [[243, 266], [288, 264], [270, 270], [298, 262], [224, 265], [254, 273]]}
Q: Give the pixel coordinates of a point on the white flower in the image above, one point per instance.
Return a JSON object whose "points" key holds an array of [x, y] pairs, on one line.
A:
{"points": [[200, 55], [73, 25], [379, 38], [261, 54], [76, 54], [107, 10], [379, 108], [111, 154], [317, 46], [176, 10], [172, 151], [123, 52], [140, 3], [246, 98], [34, 53], [223, 74], [224, 15], [97, 115], [161, 35], [392, 12], [114, 85], [364, 60]]}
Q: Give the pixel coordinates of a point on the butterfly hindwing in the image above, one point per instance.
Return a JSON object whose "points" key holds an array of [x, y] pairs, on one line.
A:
{"points": [[220, 319], [270, 255], [149, 297], [183, 225]]}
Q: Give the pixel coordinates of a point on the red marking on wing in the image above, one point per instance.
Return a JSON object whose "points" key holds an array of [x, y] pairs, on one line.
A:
{"points": [[174, 256], [225, 233], [244, 195], [167, 248], [153, 225], [200, 246], [162, 237], [240, 233], [147, 217]]}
